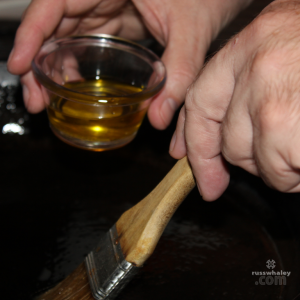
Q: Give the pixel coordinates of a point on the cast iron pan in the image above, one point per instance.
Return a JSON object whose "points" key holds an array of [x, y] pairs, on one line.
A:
{"points": [[57, 200]]}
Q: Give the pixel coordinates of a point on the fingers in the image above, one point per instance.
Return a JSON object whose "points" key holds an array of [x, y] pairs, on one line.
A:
{"points": [[277, 154], [179, 151], [261, 128], [32, 93], [237, 128], [245, 107], [187, 28], [40, 20], [275, 116], [212, 123], [183, 57], [206, 104]]}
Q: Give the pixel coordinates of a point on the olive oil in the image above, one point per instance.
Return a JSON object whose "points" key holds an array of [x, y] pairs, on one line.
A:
{"points": [[109, 121]]}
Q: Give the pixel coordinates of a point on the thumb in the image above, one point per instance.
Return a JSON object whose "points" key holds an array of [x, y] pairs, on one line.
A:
{"points": [[183, 57]]}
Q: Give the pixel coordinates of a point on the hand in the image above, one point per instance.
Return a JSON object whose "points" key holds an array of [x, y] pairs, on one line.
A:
{"points": [[244, 107], [185, 28]]}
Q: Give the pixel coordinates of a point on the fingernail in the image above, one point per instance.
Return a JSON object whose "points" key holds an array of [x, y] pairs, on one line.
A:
{"points": [[173, 141], [25, 95], [168, 109]]}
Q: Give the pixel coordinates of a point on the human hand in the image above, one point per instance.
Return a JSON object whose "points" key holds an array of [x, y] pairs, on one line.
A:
{"points": [[185, 28], [244, 107]]}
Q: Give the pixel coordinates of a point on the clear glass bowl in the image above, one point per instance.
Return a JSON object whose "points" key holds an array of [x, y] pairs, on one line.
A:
{"points": [[97, 88]]}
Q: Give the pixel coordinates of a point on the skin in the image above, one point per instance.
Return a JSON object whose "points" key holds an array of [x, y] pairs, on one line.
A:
{"points": [[244, 106], [184, 28]]}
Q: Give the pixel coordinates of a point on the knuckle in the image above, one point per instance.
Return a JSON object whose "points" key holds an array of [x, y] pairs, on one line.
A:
{"points": [[267, 64], [186, 71], [183, 77], [194, 101], [277, 109], [275, 105], [271, 117], [278, 166]]}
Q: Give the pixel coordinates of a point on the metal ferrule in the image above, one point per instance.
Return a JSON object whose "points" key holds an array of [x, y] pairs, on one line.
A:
{"points": [[107, 269]]}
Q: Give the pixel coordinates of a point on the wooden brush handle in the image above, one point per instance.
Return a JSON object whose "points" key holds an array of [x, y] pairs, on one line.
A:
{"points": [[140, 227]]}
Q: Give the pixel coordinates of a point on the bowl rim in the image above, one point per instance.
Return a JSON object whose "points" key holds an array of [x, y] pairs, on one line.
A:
{"points": [[88, 98]]}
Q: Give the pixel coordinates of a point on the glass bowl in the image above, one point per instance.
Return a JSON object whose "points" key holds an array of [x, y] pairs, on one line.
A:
{"points": [[97, 88]]}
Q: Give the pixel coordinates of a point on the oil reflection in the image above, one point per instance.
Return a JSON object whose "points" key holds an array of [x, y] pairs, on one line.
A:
{"points": [[13, 116], [13, 128]]}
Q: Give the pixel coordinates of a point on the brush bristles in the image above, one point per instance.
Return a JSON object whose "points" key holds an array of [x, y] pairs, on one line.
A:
{"points": [[74, 287]]}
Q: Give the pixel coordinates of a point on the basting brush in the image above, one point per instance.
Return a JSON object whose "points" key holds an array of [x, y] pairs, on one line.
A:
{"points": [[128, 244]]}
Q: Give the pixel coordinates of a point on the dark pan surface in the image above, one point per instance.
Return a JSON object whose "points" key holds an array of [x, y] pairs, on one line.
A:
{"points": [[57, 200]]}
